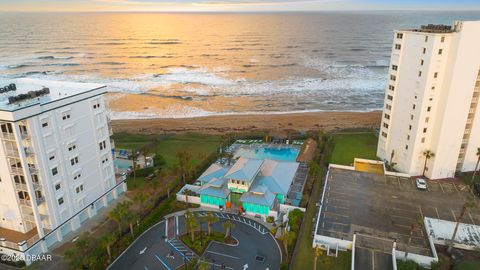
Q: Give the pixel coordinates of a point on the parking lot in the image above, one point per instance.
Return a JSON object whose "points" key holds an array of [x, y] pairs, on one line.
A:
{"points": [[381, 209]]}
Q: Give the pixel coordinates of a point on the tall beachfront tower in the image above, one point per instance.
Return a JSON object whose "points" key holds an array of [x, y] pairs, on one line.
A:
{"points": [[431, 100], [56, 163]]}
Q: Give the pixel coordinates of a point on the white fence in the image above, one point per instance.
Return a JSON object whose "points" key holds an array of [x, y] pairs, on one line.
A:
{"points": [[191, 199], [326, 242]]}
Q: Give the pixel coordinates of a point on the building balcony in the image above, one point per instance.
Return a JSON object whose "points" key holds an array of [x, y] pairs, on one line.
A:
{"points": [[16, 170], [19, 186], [8, 136], [25, 135], [12, 153], [29, 151], [32, 169]]}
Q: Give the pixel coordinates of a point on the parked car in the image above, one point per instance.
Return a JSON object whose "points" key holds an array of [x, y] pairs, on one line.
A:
{"points": [[476, 189], [421, 184]]}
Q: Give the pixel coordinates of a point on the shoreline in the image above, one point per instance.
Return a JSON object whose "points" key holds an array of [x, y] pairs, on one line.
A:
{"points": [[278, 123]]}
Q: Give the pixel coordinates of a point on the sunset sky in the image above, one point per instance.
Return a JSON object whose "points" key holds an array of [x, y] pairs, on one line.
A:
{"points": [[232, 5]]}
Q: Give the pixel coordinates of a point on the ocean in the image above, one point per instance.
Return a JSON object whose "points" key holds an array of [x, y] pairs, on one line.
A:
{"points": [[206, 64]]}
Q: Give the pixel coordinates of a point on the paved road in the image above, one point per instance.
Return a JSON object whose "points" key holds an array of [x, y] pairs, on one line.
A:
{"points": [[256, 249], [149, 252]]}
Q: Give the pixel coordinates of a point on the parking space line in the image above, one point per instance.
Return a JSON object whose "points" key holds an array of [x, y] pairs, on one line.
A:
{"points": [[421, 212], [436, 211], [440, 184], [373, 260], [473, 222], [453, 214], [164, 264]]}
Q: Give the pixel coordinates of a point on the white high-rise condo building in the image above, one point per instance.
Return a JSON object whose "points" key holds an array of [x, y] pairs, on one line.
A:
{"points": [[56, 162], [431, 100]]}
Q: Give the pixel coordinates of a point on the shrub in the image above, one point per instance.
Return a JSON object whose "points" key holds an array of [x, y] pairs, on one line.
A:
{"points": [[270, 219], [408, 265]]}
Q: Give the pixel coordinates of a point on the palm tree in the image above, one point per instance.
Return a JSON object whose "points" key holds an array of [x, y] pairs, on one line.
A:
{"points": [[184, 165], [417, 222], [288, 238], [191, 223], [427, 154], [228, 225], [141, 198], [107, 242], [130, 218], [117, 216], [317, 253], [187, 192], [476, 168], [210, 218], [203, 265], [466, 205]]}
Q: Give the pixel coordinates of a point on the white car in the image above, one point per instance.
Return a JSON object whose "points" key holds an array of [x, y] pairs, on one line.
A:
{"points": [[421, 184]]}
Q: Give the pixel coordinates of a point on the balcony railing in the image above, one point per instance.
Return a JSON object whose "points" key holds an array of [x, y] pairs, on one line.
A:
{"points": [[25, 135], [8, 136], [12, 153], [29, 151], [16, 170], [25, 202], [20, 186], [33, 169]]}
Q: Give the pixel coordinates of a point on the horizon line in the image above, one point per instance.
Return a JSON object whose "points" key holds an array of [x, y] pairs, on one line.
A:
{"points": [[253, 11]]}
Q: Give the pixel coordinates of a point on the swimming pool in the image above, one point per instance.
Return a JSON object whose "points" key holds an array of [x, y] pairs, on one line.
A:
{"points": [[281, 153]]}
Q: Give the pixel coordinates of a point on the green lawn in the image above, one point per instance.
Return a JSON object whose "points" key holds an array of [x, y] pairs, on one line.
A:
{"points": [[198, 145], [468, 265], [350, 146]]}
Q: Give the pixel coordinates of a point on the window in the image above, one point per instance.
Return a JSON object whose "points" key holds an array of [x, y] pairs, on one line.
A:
{"points": [[54, 171], [442, 39], [393, 77], [424, 50], [391, 87], [435, 75], [102, 145], [60, 201], [398, 46], [385, 125], [423, 140], [79, 189], [52, 157], [406, 147], [66, 116], [384, 134], [387, 116], [419, 74], [58, 186], [77, 176], [440, 51], [74, 161], [388, 107], [44, 124], [389, 97], [394, 67], [410, 127], [429, 108], [411, 117], [426, 38], [408, 137], [424, 130], [96, 104], [413, 107], [399, 35], [421, 62], [72, 147], [433, 87]]}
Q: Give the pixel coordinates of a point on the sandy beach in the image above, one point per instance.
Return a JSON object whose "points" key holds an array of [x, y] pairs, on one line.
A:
{"points": [[280, 123]]}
